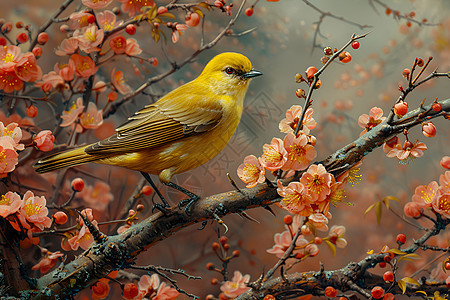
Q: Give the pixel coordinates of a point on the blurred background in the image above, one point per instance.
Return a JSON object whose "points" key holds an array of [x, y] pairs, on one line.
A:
{"points": [[286, 41]]}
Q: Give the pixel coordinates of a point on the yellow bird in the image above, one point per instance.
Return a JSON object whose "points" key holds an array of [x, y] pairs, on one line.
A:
{"points": [[181, 131]]}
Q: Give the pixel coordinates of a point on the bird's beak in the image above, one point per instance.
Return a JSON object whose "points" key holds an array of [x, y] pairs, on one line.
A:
{"points": [[252, 73]]}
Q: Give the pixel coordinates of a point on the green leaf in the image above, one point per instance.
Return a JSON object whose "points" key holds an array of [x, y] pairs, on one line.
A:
{"points": [[369, 209], [331, 246], [379, 211], [402, 285]]}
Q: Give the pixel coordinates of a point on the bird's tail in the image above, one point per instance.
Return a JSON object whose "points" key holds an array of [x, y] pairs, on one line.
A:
{"points": [[64, 159]]}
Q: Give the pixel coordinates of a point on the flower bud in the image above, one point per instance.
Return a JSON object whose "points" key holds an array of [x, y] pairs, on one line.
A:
{"points": [[60, 217], [428, 129], [44, 140], [400, 109]]}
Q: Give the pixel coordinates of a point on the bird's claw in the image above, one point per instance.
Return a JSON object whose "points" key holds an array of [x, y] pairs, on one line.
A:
{"points": [[161, 207], [188, 203]]}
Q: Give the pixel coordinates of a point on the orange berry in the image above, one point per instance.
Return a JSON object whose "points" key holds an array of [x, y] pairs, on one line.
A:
{"points": [[388, 276], [377, 292], [317, 240], [401, 108], [288, 219], [147, 190], [32, 111], [269, 297], [235, 253], [388, 11], [112, 96], [140, 207], [215, 246], [437, 106], [43, 38], [214, 281], [223, 240], [130, 29], [408, 24], [401, 238], [345, 57], [22, 38], [330, 291], [210, 266], [78, 184], [388, 296], [310, 73], [19, 24], [249, 11], [60, 217]]}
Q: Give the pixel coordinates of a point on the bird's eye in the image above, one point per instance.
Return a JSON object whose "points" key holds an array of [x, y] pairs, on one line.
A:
{"points": [[229, 70]]}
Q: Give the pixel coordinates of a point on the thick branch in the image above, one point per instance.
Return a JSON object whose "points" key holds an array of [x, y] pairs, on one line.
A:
{"points": [[120, 251]]}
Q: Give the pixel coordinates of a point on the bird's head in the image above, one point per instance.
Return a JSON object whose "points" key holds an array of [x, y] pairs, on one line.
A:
{"points": [[228, 73]]}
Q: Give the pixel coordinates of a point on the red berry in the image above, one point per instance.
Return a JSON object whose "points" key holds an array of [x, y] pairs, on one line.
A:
{"points": [[32, 111], [43, 38], [215, 246], [447, 265], [147, 190], [288, 219], [226, 247], [310, 73], [387, 258], [130, 291], [249, 12], [214, 281], [327, 51], [388, 296], [223, 240], [330, 291], [130, 29], [382, 264], [388, 276], [437, 106], [300, 93], [22, 38], [140, 207], [210, 266], [401, 238], [269, 297], [318, 240], [420, 62], [78, 184], [37, 51], [2, 41], [91, 19], [19, 24], [388, 11], [355, 45], [60, 217], [377, 292]]}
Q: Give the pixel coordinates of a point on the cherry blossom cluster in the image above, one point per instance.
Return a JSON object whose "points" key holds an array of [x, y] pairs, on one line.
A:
{"points": [[27, 214], [148, 287], [10, 137], [434, 197], [304, 248]]}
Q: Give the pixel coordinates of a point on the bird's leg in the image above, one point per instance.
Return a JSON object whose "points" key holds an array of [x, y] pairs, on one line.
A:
{"points": [[161, 207], [188, 202]]}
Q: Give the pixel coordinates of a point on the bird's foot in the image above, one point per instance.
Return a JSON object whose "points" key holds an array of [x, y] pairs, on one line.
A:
{"points": [[188, 203], [161, 207]]}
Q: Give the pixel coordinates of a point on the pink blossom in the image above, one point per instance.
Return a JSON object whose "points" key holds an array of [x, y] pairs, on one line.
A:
{"points": [[412, 209], [8, 156], [118, 44], [27, 68], [391, 144], [236, 286], [50, 81], [83, 238], [44, 140], [78, 20], [251, 171], [424, 194], [96, 4], [318, 181], [107, 20], [9, 81], [66, 71], [444, 179], [133, 7], [68, 46], [97, 196], [47, 262], [166, 292], [336, 236], [132, 48], [441, 202], [84, 65], [274, 155], [445, 162], [311, 250], [293, 114], [9, 57], [299, 152], [89, 38], [10, 203], [296, 198], [71, 115], [428, 129], [409, 150], [91, 118], [34, 211], [319, 220], [14, 132], [177, 31], [118, 80], [283, 241], [148, 286], [371, 120]]}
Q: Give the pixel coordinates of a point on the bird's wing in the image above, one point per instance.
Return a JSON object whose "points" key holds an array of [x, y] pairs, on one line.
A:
{"points": [[166, 121]]}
